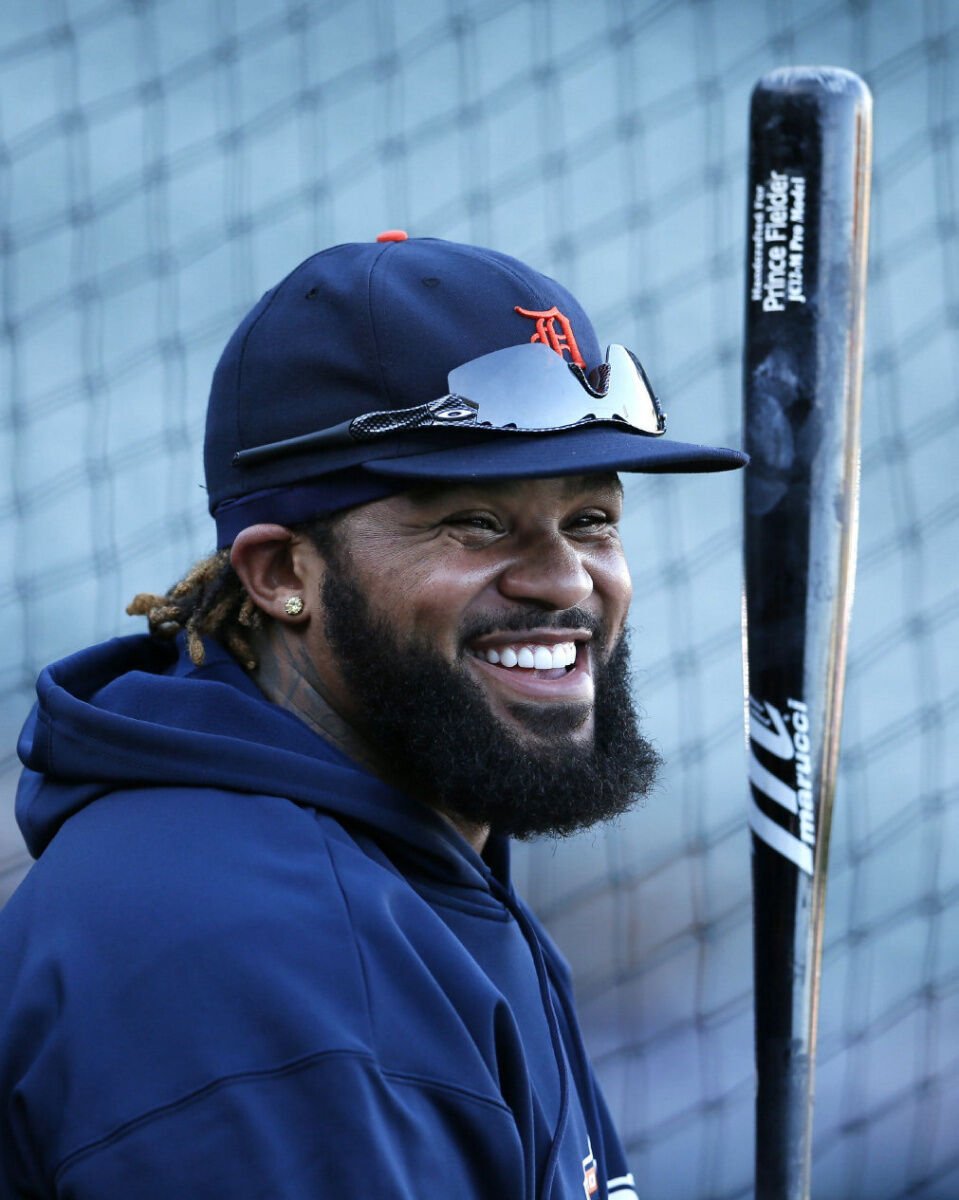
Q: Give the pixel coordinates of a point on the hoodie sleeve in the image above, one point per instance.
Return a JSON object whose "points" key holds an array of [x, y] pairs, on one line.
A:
{"points": [[333, 1125]]}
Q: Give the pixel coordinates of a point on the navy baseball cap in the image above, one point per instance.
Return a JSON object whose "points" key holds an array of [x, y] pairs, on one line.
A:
{"points": [[357, 376]]}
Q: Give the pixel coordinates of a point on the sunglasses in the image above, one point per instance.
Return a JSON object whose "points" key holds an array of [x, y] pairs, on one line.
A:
{"points": [[520, 389]]}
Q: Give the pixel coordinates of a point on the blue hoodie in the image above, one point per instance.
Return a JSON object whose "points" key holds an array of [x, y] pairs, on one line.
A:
{"points": [[244, 967]]}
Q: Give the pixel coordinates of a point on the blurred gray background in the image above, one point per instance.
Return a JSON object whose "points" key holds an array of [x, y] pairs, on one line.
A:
{"points": [[163, 162]]}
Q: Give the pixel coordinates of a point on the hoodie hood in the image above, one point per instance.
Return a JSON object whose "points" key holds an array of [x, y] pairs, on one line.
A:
{"points": [[134, 712]]}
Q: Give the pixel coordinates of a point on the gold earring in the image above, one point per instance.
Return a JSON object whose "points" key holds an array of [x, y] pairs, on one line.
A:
{"points": [[293, 606]]}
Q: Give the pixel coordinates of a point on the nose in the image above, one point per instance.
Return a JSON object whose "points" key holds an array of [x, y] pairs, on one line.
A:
{"points": [[548, 571]]}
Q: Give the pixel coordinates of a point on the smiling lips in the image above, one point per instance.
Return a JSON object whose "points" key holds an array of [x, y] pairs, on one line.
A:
{"points": [[541, 668], [531, 656]]}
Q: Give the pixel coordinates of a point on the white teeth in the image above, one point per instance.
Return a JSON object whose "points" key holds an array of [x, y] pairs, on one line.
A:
{"points": [[532, 657]]}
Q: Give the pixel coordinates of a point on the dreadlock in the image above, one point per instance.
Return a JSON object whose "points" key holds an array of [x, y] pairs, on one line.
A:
{"points": [[210, 601]]}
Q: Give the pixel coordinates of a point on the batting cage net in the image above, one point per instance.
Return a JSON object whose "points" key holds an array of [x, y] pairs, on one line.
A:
{"points": [[162, 163]]}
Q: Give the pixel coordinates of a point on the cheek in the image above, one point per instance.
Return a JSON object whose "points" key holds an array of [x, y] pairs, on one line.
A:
{"points": [[390, 580], [441, 598], [612, 580], [424, 599]]}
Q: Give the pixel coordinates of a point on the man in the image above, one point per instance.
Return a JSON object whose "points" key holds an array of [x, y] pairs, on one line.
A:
{"points": [[270, 946]]}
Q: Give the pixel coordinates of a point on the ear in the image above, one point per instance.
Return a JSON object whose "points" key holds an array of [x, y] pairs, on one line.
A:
{"points": [[277, 568]]}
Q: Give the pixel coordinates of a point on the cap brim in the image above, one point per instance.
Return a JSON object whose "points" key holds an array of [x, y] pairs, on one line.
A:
{"points": [[567, 452]]}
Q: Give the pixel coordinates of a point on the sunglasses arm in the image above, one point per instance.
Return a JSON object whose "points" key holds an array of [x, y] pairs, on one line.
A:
{"points": [[336, 435]]}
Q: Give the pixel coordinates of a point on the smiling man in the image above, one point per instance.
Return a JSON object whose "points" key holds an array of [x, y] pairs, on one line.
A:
{"points": [[270, 946]]}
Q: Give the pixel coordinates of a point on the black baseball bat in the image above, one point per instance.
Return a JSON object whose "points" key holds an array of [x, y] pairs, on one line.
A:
{"points": [[808, 198]]}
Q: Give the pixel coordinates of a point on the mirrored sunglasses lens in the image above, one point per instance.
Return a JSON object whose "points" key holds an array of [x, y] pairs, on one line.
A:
{"points": [[514, 388]]}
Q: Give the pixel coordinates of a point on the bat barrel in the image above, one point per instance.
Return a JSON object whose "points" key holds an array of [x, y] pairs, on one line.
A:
{"points": [[806, 257]]}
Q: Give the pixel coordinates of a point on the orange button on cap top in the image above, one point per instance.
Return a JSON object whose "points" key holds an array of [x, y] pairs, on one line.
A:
{"points": [[392, 235]]}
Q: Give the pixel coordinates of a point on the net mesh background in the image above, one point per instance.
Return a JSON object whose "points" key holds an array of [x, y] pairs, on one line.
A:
{"points": [[163, 163]]}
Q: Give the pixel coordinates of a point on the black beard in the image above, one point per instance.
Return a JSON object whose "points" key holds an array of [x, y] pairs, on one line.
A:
{"points": [[430, 721]]}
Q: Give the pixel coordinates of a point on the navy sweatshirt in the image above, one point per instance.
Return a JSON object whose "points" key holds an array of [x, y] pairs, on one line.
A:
{"points": [[244, 967]]}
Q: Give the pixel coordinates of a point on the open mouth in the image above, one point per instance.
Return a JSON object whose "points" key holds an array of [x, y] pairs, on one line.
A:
{"points": [[545, 665], [544, 661], [537, 671]]}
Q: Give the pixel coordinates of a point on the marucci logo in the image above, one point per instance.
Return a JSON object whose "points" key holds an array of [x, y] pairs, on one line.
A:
{"points": [[784, 737]]}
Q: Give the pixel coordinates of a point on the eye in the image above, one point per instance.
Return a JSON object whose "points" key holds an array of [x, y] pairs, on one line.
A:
{"points": [[593, 519], [475, 522]]}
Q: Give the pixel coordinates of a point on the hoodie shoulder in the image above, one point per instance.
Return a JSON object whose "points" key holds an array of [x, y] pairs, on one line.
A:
{"points": [[173, 868], [168, 938]]}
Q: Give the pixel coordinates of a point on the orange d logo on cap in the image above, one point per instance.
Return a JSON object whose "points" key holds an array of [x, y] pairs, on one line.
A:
{"points": [[546, 332]]}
